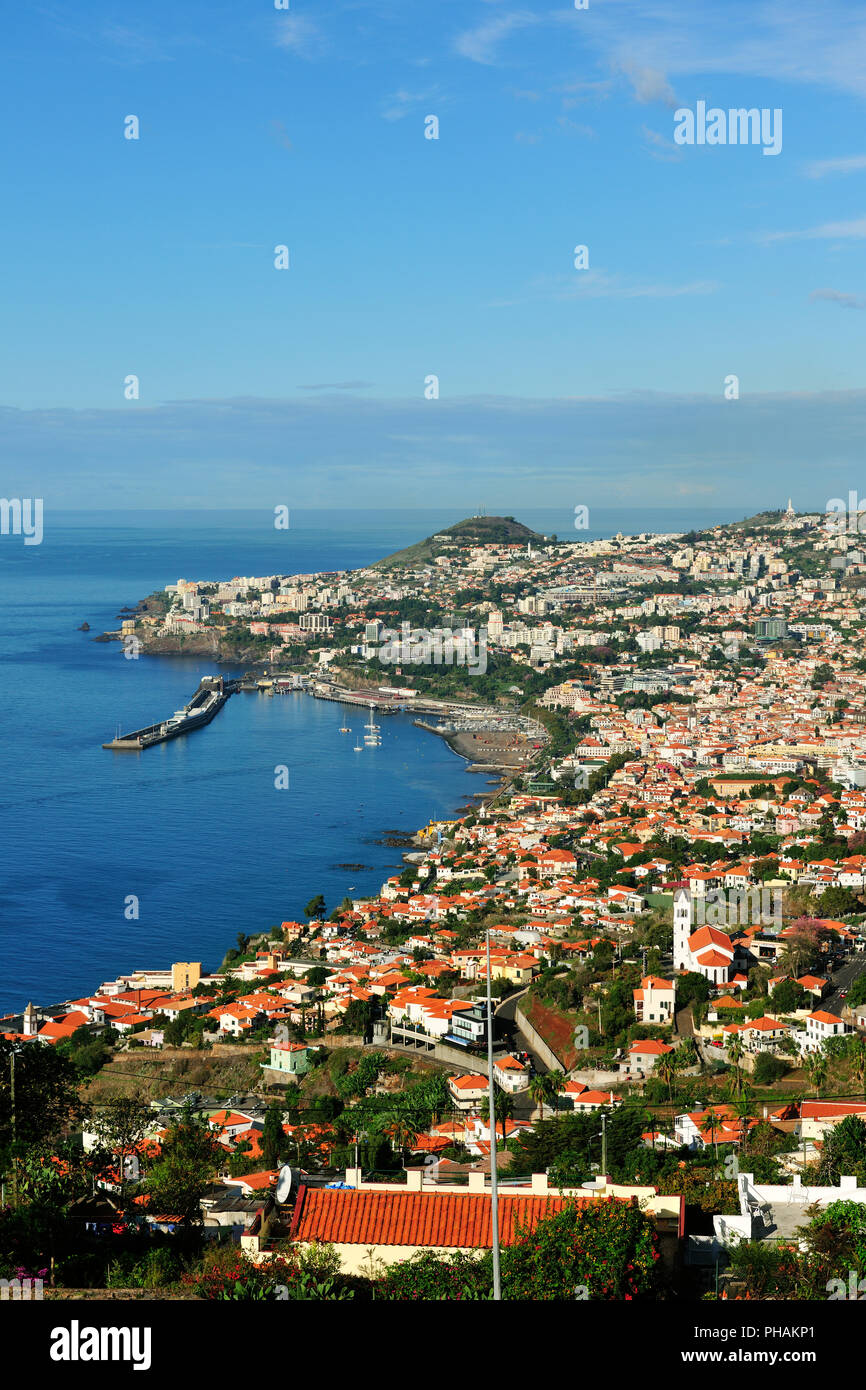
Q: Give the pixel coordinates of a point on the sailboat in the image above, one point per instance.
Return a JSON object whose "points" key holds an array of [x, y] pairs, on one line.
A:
{"points": [[371, 737], [345, 729], [358, 748]]}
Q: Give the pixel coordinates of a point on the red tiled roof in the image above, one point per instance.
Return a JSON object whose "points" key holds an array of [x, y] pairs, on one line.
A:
{"points": [[414, 1218]]}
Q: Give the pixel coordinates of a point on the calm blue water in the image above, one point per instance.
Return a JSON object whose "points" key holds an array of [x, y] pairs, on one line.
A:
{"points": [[195, 828]]}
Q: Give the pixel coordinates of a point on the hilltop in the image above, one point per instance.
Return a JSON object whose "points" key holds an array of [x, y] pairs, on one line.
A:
{"points": [[474, 530]]}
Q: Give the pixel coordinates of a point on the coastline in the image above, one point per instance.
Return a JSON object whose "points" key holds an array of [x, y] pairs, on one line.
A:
{"points": [[463, 745], [482, 754]]}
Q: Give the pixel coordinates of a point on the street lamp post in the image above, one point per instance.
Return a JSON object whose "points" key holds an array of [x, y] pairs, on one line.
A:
{"points": [[494, 1195]]}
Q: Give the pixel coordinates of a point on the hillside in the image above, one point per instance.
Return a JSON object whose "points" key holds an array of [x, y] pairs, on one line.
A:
{"points": [[474, 530]]}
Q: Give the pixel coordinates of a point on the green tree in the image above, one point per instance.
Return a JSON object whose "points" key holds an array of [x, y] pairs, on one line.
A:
{"points": [[735, 1053], [686, 1055], [709, 1127], [692, 988], [46, 1103], [121, 1125], [191, 1155], [768, 1069], [857, 1056], [822, 676], [606, 1250], [837, 902], [315, 907], [816, 1069], [541, 1091], [273, 1135], [504, 1107], [402, 1135], [665, 1070], [844, 1153], [788, 996]]}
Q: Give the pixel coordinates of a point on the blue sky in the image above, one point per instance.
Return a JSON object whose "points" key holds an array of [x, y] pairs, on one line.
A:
{"points": [[411, 256]]}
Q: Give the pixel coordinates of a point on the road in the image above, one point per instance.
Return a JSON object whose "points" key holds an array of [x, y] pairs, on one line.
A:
{"points": [[843, 979], [524, 1105]]}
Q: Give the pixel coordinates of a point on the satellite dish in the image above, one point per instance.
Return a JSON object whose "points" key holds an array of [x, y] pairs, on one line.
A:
{"points": [[285, 1183]]}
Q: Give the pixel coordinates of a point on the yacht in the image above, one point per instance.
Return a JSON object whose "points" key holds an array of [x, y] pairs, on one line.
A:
{"points": [[371, 737]]}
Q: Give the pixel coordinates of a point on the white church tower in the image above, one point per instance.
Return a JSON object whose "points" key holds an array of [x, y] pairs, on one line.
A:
{"points": [[682, 929]]}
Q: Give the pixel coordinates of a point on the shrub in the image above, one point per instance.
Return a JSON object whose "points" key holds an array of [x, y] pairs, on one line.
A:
{"points": [[608, 1248], [768, 1069]]}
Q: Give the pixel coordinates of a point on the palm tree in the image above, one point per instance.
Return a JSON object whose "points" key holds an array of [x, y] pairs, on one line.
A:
{"points": [[735, 1052], [539, 1089], [708, 1125], [858, 1061], [402, 1136], [816, 1067], [665, 1069], [556, 1080], [503, 1106]]}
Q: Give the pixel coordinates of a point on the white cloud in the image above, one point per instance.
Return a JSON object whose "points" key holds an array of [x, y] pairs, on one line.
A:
{"points": [[845, 301], [821, 46], [855, 229], [650, 84], [480, 44], [847, 164], [598, 284], [662, 148], [299, 35], [404, 102], [779, 444]]}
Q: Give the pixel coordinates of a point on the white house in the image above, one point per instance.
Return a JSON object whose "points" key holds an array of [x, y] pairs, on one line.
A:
{"points": [[643, 1056], [512, 1075], [655, 1001], [820, 1026], [762, 1034], [467, 1092]]}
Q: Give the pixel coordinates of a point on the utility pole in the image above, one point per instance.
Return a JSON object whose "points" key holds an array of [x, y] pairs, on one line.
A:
{"points": [[494, 1194], [14, 1129], [603, 1144]]}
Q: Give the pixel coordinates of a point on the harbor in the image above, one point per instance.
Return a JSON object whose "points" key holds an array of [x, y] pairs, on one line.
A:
{"points": [[208, 700]]}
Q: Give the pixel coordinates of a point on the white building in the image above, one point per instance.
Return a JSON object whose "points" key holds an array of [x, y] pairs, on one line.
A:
{"points": [[820, 1026], [708, 951], [655, 1001]]}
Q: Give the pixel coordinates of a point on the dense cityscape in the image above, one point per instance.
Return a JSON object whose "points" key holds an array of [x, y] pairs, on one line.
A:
{"points": [[432, 662], [667, 888]]}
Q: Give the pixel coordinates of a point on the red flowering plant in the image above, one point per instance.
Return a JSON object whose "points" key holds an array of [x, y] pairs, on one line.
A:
{"points": [[230, 1275], [609, 1248], [293, 1273]]}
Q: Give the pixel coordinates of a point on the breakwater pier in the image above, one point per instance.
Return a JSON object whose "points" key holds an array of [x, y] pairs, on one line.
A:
{"points": [[208, 700]]}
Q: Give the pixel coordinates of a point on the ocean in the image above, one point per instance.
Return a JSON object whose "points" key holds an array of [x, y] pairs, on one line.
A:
{"points": [[193, 835]]}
